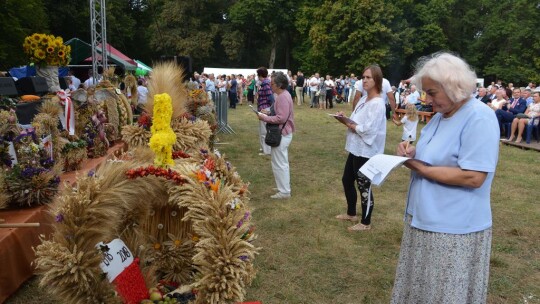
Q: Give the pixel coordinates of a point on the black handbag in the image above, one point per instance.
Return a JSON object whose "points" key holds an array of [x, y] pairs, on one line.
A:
{"points": [[273, 133]]}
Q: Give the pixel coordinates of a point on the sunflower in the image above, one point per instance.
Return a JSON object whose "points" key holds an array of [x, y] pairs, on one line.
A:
{"points": [[54, 61], [39, 54], [44, 49]]}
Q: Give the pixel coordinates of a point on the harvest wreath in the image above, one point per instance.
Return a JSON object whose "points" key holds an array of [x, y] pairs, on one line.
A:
{"points": [[182, 215]]}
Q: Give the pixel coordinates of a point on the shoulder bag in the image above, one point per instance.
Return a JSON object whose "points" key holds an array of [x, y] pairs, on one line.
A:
{"points": [[273, 133]]}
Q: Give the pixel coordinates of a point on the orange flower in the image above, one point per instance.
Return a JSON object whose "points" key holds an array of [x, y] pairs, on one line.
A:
{"points": [[201, 176], [157, 246], [61, 54], [215, 186]]}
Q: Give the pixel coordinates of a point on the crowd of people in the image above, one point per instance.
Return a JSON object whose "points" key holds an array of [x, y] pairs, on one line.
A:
{"points": [[445, 249], [448, 214], [320, 92], [514, 107]]}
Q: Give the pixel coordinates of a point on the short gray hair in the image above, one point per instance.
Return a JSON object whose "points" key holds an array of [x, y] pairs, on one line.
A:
{"points": [[454, 75], [280, 80]]}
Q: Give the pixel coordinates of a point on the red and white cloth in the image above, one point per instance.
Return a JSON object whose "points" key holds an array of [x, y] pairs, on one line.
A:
{"points": [[68, 121]]}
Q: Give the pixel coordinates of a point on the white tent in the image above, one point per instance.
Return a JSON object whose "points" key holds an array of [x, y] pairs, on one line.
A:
{"points": [[244, 72]]}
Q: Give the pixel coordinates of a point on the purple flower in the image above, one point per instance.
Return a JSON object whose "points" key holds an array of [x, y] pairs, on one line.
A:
{"points": [[59, 218], [243, 257], [240, 223], [91, 173], [28, 172]]}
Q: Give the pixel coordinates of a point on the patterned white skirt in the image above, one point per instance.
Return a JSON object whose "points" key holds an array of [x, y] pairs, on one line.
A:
{"points": [[442, 268]]}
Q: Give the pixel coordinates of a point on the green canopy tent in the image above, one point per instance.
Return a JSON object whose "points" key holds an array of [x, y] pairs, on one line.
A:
{"points": [[81, 53]]}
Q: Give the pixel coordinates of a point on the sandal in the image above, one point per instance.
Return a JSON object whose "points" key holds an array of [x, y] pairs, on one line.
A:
{"points": [[346, 217], [359, 227]]}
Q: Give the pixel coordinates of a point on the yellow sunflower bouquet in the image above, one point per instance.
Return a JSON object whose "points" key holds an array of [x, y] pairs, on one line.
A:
{"points": [[47, 50]]}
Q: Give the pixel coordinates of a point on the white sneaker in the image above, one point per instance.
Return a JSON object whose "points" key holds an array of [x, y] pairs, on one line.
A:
{"points": [[280, 195]]}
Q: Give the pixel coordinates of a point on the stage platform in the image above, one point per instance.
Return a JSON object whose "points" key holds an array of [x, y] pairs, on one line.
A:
{"points": [[16, 254]]}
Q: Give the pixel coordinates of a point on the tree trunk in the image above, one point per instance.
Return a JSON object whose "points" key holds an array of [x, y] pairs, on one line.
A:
{"points": [[288, 53], [273, 52]]}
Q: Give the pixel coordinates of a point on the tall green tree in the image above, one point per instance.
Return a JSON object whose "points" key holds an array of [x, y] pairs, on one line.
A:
{"points": [[346, 35], [127, 22], [191, 28], [268, 29], [20, 19], [507, 47]]}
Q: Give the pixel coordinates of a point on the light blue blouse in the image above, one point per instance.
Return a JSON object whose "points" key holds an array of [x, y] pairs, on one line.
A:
{"points": [[468, 140]]}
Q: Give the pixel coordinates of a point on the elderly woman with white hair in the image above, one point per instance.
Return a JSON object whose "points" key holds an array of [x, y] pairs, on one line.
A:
{"points": [[281, 113], [446, 242]]}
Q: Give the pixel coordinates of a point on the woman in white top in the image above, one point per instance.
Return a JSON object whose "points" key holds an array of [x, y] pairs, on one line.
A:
{"points": [[365, 138], [520, 122], [498, 102]]}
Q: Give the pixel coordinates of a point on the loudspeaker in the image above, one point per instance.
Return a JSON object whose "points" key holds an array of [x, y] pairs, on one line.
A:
{"points": [[32, 86], [63, 83], [7, 86], [183, 61]]}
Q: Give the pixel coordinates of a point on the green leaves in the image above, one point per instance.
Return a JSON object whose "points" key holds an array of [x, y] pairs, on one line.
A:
{"points": [[498, 38]]}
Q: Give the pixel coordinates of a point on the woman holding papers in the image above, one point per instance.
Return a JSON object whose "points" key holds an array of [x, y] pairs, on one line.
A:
{"points": [[366, 133], [284, 116], [445, 249]]}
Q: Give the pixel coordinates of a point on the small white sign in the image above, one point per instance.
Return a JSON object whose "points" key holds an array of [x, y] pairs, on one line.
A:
{"points": [[11, 151], [116, 257]]}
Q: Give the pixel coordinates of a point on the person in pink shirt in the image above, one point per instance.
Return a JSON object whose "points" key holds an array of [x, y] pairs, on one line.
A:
{"points": [[281, 113]]}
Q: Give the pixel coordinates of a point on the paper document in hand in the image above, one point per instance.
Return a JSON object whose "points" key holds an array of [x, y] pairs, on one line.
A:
{"points": [[342, 119], [379, 166], [253, 109]]}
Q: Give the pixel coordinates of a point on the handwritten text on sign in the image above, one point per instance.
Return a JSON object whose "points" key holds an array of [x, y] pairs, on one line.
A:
{"points": [[115, 258]]}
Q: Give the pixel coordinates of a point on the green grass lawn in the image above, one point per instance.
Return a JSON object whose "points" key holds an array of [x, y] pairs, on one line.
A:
{"points": [[309, 257]]}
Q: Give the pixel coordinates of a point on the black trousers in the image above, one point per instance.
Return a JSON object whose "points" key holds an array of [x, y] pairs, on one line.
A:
{"points": [[349, 179], [329, 99], [233, 98]]}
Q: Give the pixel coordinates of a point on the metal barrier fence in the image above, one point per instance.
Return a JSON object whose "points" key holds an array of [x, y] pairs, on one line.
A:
{"points": [[221, 102]]}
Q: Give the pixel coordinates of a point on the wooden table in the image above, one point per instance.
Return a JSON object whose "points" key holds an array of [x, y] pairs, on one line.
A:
{"points": [[16, 254]]}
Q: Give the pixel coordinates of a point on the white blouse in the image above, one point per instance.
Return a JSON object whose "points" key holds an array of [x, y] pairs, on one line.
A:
{"points": [[370, 135]]}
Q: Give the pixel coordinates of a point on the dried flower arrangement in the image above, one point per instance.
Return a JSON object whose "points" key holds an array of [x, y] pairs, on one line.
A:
{"points": [[186, 218], [74, 154], [34, 179]]}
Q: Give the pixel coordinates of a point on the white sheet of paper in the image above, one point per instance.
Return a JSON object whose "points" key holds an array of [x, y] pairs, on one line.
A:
{"points": [[342, 119], [12, 153], [379, 166], [116, 259]]}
